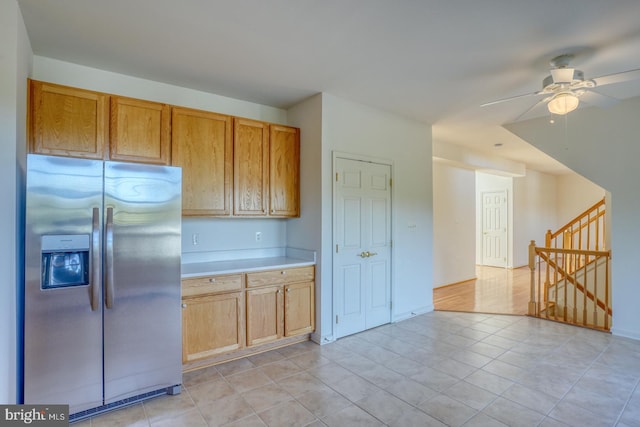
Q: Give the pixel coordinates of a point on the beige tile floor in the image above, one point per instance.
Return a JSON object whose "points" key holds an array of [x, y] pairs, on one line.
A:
{"points": [[437, 369]]}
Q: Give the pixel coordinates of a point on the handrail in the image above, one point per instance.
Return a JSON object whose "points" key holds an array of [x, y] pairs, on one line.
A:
{"points": [[586, 231], [586, 213], [572, 251]]}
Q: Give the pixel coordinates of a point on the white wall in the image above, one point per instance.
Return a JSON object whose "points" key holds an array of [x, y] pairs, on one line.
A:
{"points": [[232, 234], [349, 127], [15, 63], [454, 220], [575, 195], [306, 232], [603, 146], [66, 73], [534, 212]]}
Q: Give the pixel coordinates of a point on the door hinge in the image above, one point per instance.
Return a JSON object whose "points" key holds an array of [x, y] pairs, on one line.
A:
{"points": [[336, 248], [336, 176], [390, 182], [390, 305], [336, 319], [391, 243]]}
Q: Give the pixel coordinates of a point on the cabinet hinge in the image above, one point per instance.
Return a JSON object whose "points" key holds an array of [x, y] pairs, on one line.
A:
{"points": [[336, 319], [336, 248]]}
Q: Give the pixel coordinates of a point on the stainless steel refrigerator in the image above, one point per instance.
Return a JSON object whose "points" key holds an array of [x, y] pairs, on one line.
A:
{"points": [[102, 315]]}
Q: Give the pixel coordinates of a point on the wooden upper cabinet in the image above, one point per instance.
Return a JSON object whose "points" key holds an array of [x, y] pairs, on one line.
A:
{"points": [[67, 121], [201, 143], [250, 167], [140, 131], [284, 171]]}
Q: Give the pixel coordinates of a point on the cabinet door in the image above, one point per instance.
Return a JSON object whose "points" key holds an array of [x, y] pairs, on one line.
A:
{"points": [[211, 325], [264, 315], [250, 167], [284, 171], [140, 131], [201, 144], [299, 309], [66, 121]]}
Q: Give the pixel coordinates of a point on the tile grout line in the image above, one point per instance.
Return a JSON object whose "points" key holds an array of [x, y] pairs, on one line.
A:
{"points": [[635, 388]]}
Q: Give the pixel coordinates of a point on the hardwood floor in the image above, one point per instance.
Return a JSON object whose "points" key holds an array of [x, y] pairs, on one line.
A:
{"points": [[495, 290]]}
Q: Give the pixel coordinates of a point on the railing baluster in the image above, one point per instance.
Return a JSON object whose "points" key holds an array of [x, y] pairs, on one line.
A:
{"points": [[586, 261], [606, 295], [595, 294], [540, 290], [555, 284], [576, 262], [533, 311], [566, 290]]}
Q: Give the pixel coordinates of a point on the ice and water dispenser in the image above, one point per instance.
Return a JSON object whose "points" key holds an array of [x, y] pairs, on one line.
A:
{"points": [[65, 261]]}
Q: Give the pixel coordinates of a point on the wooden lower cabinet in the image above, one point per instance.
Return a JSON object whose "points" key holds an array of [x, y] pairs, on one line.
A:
{"points": [[227, 316], [212, 325], [264, 315], [274, 312], [299, 309], [280, 303]]}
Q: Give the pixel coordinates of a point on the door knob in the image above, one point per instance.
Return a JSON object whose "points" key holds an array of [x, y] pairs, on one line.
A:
{"points": [[373, 253], [364, 254]]}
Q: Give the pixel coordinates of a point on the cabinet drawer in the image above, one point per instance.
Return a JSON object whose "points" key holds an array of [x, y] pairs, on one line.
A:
{"points": [[276, 277], [211, 284]]}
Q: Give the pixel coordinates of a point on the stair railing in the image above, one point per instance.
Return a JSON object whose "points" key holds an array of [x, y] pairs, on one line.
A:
{"points": [[585, 232], [580, 295]]}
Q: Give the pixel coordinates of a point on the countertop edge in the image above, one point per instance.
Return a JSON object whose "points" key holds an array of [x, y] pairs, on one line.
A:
{"points": [[243, 266]]}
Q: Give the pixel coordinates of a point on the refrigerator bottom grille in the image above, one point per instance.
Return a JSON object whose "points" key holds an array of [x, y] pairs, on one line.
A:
{"points": [[122, 403]]}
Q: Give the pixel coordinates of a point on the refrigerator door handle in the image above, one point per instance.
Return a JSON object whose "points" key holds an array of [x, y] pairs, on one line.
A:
{"points": [[95, 260], [108, 289]]}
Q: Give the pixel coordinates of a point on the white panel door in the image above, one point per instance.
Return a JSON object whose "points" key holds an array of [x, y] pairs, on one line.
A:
{"points": [[362, 258], [494, 228]]}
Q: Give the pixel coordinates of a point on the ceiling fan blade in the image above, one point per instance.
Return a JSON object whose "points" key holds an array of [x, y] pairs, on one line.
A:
{"points": [[531, 109], [625, 76], [594, 98], [498, 101]]}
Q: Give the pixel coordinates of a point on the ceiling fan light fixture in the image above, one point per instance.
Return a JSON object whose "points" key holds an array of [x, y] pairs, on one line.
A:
{"points": [[563, 103]]}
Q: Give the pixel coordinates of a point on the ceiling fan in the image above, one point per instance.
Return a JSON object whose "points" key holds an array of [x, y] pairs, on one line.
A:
{"points": [[562, 89]]}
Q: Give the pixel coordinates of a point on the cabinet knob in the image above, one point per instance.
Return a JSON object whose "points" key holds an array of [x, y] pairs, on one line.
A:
{"points": [[212, 280], [278, 291], [288, 289], [283, 272], [184, 305]]}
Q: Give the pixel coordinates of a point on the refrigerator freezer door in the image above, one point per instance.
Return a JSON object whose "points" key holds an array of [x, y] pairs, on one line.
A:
{"points": [[63, 326], [142, 314]]}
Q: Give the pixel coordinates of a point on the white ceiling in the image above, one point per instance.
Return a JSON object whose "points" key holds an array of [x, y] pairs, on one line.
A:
{"points": [[435, 61]]}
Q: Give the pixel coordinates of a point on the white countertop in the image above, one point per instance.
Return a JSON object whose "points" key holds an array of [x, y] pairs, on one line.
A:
{"points": [[197, 269]]}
